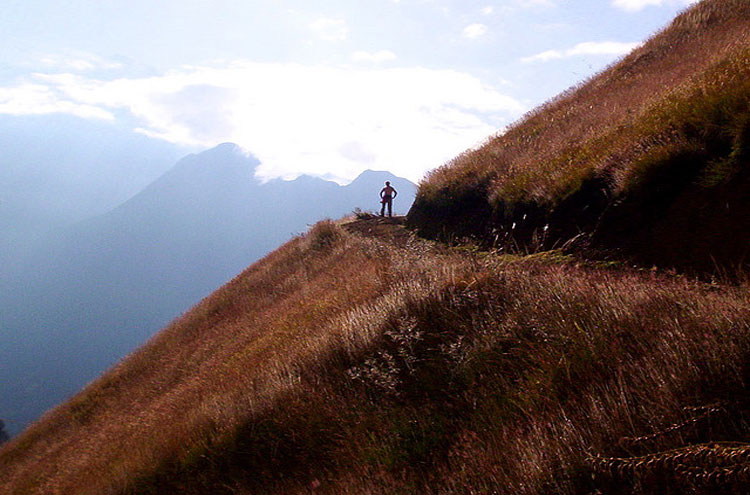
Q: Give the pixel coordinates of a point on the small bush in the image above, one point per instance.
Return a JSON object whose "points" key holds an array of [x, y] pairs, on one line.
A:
{"points": [[323, 235], [363, 215]]}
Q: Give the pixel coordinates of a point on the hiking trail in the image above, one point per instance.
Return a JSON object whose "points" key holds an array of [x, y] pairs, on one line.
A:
{"points": [[390, 229]]}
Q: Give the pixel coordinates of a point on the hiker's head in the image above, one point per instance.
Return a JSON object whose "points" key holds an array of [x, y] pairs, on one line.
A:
{"points": [[387, 183]]}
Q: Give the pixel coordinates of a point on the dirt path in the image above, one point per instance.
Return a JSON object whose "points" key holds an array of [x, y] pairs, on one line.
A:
{"points": [[388, 229]]}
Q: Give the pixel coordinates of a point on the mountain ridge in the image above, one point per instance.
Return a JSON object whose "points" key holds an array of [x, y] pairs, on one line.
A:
{"points": [[103, 286]]}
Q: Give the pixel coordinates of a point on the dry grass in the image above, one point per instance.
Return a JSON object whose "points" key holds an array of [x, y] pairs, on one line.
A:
{"points": [[365, 368], [346, 364], [581, 130], [572, 163]]}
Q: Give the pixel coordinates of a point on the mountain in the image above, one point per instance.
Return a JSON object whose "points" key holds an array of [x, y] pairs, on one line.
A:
{"points": [[100, 288], [57, 170], [362, 358]]}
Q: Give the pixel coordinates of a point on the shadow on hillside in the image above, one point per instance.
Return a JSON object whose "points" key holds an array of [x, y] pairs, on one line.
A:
{"points": [[672, 217]]}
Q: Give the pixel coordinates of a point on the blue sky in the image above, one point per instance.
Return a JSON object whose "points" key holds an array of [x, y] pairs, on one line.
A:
{"points": [[328, 88]]}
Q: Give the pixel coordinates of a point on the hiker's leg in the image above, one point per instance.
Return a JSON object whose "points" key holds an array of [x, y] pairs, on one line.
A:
{"points": [[390, 208], [382, 208]]}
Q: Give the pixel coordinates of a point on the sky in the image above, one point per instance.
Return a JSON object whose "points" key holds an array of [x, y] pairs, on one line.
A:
{"points": [[327, 88]]}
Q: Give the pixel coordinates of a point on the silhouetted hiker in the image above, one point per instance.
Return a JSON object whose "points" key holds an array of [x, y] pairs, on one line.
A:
{"points": [[386, 197]]}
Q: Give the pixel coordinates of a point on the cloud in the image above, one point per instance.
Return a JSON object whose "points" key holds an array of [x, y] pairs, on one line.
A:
{"points": [[544, 56], [329, 29], [474, 31], [70, 64], [38, 99], [374, 57], [81, 62], [636, 5], [513, 6], [602, 48], [536, 3], [533, 3], [320, 120], [585, 48]]}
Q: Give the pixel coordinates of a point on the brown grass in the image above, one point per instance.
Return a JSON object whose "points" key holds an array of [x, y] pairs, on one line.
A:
{"points": [[361, 360], [571, 163], [581, 130], [367, 368]]}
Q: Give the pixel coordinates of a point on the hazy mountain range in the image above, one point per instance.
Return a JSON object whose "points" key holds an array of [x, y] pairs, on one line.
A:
{"points": [[56, 170], [90, 293]]}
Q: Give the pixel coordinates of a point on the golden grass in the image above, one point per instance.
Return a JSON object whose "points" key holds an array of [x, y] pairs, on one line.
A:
{"points": [[366, 368], [342, 364], [645, 161], [606, 122]]}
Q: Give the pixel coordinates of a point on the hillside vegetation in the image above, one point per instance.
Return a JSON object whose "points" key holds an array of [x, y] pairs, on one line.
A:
{"points": [[343, 363], [361, 359], [646, 160]]}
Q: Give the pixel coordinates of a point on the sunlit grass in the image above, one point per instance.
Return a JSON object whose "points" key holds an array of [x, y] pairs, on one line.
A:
{"points": [[379, 370], [346, 364], [686, 90]]}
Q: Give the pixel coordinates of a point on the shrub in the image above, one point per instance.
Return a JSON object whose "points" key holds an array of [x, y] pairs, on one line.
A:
{"points": [[323, 235], [360, 214]]}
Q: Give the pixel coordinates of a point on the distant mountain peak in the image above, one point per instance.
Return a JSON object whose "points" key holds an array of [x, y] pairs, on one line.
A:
{"points": [[374, 173], [225, 149], [369, 177], [227, 146]]}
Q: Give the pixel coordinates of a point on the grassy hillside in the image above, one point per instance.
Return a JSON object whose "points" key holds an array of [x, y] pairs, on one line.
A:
{"points": [[344, 363], [361, 359], [649, 159]]}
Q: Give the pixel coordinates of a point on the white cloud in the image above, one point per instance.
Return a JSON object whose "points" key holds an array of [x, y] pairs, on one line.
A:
{"points": [[473, 31], [513, 6], [534, 3], [544, 56], [77, 65], [636, 5], [374, 57], [81, 62], [295, 118], [585, 48], [329, 29], [39, 99], [602, 48]]}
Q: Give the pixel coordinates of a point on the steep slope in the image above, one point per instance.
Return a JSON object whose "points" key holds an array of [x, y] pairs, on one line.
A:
{"points": [[359, 359], [100, 288], [342, 363], [649, 158]]}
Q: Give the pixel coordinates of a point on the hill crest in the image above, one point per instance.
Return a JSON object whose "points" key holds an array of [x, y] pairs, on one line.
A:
{"points": [[95, 291], [639, 161]]}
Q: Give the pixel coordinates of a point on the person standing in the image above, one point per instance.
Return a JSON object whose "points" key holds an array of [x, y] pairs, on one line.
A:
{"points": [[387, 194]]}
